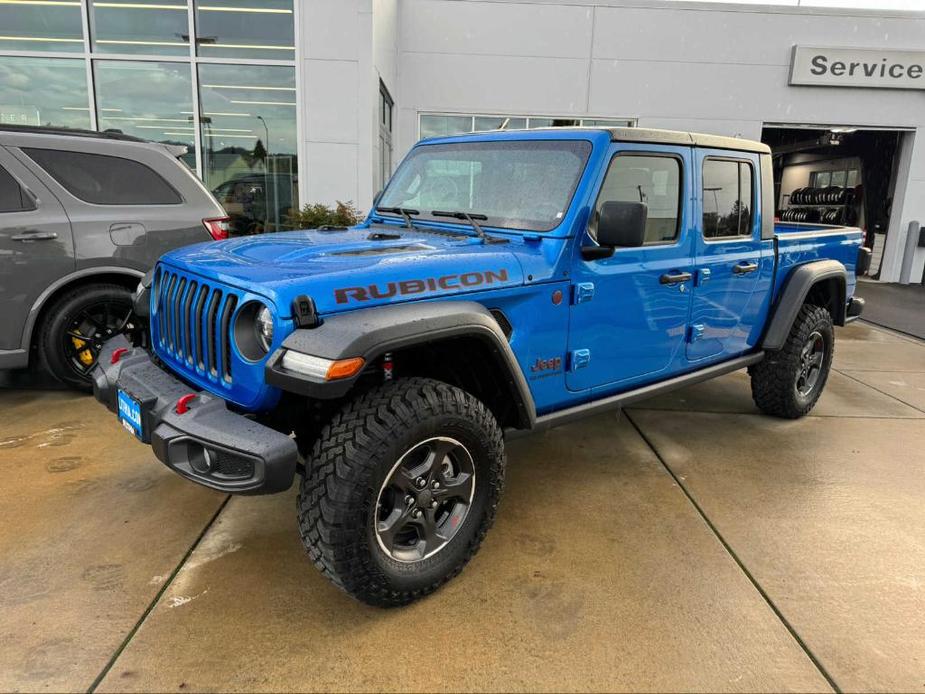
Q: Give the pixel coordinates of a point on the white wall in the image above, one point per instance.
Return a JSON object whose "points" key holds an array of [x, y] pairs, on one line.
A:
{"points": [[707, 67]]}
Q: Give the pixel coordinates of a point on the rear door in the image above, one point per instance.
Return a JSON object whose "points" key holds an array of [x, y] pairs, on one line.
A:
{"points": [[630, 311], [36, 247], [733, 266], [128, 203]]}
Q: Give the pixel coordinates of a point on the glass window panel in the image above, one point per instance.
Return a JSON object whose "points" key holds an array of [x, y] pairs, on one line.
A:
{"points": [[655, 181], [12, 197], [245, 29], [443, 126], [41, 25], [105, 180], [853, 178], [497, 122], [250, 143], [147, 99], [148, 26], [839, 177], [727, 198], [44, 91], [516, 185], [606, 123]]}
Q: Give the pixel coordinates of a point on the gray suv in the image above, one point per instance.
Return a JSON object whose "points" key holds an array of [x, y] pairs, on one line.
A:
{"points": [[83, 215]]}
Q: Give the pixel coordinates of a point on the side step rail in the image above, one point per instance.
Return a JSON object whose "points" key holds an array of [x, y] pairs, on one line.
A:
{"points": [[614, 402]]}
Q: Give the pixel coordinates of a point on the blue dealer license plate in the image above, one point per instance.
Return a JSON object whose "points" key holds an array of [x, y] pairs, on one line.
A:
{"points": [[130, 414]]}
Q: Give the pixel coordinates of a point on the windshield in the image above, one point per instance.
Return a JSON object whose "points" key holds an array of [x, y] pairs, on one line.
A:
{"points": [[526, 184]]}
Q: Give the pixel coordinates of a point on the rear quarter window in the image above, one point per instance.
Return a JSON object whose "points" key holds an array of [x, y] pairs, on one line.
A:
{"points": [[105, 180], [12, 196]]}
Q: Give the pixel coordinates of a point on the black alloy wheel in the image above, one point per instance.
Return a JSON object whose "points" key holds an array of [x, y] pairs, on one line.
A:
{"points": [[89, 329], [76, 325], [425, 499], [812, 358]]}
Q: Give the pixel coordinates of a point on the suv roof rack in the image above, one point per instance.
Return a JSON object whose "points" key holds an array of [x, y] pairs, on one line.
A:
{"points": [[73, 132]]}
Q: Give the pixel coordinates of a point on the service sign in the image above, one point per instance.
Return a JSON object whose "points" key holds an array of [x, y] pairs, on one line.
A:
{"points": [[857, 67]]}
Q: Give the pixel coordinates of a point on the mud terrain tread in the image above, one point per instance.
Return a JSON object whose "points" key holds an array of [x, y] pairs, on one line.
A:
{"points": [[333, 502], [773, 378]]}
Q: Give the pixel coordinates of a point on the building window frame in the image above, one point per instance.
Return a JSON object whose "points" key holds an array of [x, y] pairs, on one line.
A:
{"points": [[628, 122], [88, 55]]}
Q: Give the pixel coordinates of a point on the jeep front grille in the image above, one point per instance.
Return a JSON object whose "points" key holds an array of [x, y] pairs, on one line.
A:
{"points": [[192, 323]]}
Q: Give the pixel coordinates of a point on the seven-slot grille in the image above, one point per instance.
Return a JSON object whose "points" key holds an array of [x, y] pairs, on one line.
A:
{"points": [[193, 321]]}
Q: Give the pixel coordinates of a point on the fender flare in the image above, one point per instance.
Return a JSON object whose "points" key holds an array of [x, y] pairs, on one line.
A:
{"points": [[62, 282], [802, 279], [371, 332]]}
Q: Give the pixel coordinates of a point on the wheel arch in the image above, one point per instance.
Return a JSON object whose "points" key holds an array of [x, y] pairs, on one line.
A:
{"points": [[127, 277], [459, 342], [823, 283]]}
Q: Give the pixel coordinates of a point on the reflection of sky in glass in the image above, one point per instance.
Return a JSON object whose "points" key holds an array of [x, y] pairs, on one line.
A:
{"points": [[41, 25], [149, 100], [161, 28], [233, 96], [245, 29], [44, 91]]}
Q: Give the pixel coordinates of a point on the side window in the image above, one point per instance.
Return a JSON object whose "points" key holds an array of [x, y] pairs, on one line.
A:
{"points": [[105, 180], [652, 179], [12, 197], [728, 195]]}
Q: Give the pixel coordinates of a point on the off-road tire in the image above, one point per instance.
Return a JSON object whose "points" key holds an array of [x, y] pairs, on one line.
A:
{"points": [[348, 465], [774, 380], [53, 330]]}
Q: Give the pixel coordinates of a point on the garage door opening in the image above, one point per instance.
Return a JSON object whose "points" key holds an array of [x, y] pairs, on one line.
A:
{"points": [[836, 175]]}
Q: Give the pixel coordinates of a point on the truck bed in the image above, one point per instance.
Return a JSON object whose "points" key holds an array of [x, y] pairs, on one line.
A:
{"points": [[796, 244]]}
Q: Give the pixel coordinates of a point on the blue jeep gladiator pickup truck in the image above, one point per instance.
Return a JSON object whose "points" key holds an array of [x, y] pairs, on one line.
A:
{"points": [[504, 282]]}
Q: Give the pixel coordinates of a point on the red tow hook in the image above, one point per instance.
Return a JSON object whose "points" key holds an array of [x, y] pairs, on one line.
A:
{"points": [[183, 403], [117, 354]]}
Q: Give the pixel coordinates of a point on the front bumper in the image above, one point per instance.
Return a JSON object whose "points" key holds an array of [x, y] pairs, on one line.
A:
{"points": [[208, 444]]}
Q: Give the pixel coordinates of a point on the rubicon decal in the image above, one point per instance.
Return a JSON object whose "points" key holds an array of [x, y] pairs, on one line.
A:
{"points": [[419, 286]]}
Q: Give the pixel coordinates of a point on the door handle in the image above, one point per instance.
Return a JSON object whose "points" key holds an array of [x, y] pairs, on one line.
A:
{"points": [[744, 268], [37, 236], [675, 278]]}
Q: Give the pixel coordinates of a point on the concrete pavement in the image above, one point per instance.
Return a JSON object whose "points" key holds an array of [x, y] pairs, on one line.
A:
{"points": [[688, 544]]}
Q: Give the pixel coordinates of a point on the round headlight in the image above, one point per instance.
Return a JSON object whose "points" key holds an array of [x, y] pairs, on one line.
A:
{"points": [[264, 325]]}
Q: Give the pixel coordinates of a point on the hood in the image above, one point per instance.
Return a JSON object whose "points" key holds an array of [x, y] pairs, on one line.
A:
{"points": [[354, 268]]}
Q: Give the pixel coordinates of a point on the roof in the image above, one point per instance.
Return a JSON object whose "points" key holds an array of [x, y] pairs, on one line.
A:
{"points": [[678, 137], [70, 132], [642, 135]]}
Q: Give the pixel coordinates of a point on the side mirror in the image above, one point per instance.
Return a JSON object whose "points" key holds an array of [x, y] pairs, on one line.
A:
{"points": [[622, 224]]}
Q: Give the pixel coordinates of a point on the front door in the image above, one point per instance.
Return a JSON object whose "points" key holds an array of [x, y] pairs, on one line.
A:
{"points": [[630, 311], [36, 246], [733, 266]]}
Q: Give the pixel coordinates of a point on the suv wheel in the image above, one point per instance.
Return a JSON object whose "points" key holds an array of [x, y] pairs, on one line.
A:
{"points": [[789, 381], [76, 326], [400, 489]]}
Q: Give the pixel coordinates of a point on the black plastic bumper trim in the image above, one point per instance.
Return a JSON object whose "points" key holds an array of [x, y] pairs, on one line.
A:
{"points": [[179, 440]]}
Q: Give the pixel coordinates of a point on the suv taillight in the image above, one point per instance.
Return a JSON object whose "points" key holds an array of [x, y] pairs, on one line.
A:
{"points": [[218, 228]]}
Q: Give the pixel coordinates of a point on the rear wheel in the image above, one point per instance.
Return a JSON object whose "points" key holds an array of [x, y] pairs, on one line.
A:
{"points": [[76, 326], [790, 380], [400, 489]]}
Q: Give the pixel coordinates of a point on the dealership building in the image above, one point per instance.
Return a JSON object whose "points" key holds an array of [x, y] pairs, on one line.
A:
{"points": [[284, 102]]}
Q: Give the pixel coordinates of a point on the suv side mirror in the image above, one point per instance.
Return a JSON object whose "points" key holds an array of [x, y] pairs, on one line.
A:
{"points": [[621, 224]]}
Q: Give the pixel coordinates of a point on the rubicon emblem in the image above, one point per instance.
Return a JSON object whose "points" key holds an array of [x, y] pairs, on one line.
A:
{"points": [[430, 284]]}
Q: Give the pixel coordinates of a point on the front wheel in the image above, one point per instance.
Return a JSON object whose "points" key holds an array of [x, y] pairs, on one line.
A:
{"points": [[400, 489], [790, 380]]}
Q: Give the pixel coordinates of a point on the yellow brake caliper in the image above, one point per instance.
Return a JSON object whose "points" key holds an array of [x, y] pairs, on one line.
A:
{"points": [[86, 356]]}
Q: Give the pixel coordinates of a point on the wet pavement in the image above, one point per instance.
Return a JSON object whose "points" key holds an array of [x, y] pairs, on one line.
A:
{"points": [[687, 544]]}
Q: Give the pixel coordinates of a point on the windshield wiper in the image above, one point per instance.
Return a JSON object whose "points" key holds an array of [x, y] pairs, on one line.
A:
{"points": [[471, 219], [405, 212]]}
